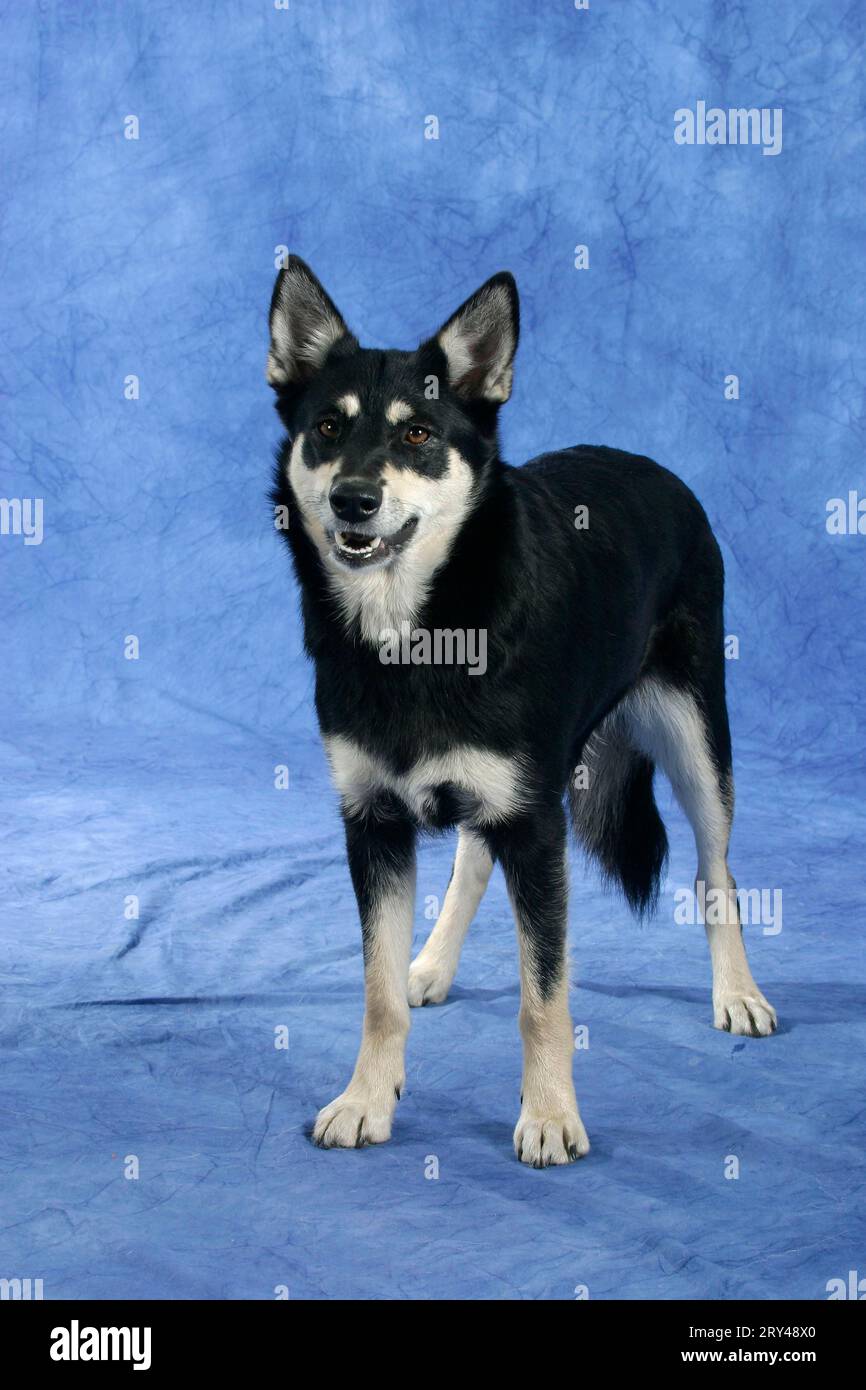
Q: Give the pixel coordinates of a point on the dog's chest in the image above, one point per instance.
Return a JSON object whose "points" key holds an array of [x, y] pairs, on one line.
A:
{"points": [[469, 785]]}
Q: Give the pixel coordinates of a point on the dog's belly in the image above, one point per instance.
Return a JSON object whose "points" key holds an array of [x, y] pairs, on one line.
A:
{"points": [[468, 785]]}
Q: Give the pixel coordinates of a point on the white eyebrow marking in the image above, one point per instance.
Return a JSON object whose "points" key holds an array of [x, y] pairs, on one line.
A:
{"points": [[350, 405], [397, 411]]}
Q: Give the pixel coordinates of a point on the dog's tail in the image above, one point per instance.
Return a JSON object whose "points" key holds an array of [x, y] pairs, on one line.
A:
{"points": [[614, 812]]}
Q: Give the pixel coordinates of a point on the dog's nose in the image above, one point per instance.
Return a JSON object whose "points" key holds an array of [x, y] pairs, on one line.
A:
{"points": [[355, 499]]}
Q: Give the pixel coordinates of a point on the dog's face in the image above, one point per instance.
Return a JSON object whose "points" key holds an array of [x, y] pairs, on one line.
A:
{"points": [[388, 448]]}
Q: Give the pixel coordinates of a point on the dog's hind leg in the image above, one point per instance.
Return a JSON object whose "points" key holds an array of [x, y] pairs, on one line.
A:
{"points": [[432, 972], [381, 847], [533, 857], [686, 733]]}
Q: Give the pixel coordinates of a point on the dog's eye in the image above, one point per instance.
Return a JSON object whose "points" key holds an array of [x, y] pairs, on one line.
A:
{"points": [[416, 434], [328, 428]]}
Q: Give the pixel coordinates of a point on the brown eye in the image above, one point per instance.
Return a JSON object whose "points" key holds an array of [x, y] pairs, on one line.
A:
{"points": [[328, 428], [416, 434]]}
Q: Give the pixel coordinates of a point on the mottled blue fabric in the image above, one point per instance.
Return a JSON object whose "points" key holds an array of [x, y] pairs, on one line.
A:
{"points": [[154, 1039]]}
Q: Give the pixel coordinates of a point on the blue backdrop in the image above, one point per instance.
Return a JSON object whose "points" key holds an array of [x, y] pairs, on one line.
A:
{"points": [[156, 159]]}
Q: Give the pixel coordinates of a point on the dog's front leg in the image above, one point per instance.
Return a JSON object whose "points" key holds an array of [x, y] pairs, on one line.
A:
{"points": [[381, 847], [533, 857]]}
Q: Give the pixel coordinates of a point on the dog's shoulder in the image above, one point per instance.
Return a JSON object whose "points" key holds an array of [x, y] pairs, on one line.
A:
{"points": [[612, 482]]}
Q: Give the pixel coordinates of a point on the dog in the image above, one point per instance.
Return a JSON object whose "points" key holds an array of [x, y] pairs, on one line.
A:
{"points": [[598, 583]]}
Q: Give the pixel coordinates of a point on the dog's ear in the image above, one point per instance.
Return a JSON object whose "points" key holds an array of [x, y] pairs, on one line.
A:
{"points": [[480, 340], [305, 324]]}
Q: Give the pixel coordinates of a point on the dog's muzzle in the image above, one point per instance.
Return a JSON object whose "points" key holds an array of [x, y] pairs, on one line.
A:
{"points": [[355, 547], [357, 534]]}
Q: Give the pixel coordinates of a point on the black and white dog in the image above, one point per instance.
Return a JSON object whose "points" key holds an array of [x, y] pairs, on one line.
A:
{"points": [[598, 583]]}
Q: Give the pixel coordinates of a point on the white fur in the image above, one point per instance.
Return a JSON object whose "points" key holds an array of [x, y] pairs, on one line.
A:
{"points": [[494, 782], [397, 411], [432, 972], [350, 405], [310, 486]]}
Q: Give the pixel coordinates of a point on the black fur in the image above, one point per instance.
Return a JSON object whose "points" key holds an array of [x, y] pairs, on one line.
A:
{"points": [[380, 847]]}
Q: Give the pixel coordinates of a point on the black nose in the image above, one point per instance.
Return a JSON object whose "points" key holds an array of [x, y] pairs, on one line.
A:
{"points": [[355, 499]]}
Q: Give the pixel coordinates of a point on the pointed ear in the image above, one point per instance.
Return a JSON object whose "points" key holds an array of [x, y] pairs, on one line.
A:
{"points": [[305, 324], [480, 341]]}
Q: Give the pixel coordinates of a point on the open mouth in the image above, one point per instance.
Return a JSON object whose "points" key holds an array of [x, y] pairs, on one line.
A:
{"points": [[357, 548]]}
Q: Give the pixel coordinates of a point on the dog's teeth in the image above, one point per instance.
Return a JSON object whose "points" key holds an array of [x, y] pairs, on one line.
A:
{"points": [[360, 551]]}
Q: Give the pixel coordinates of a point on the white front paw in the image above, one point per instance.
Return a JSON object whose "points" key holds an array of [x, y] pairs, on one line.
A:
{"points": [[545, 1139], [748, 1014], [353, 1120]]}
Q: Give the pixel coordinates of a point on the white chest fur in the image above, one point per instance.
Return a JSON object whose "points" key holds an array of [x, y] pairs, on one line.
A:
{"points": [[491, 782]]}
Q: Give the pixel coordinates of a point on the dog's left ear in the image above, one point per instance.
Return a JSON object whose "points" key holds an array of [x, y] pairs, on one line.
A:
{"points": [[480, 340]]}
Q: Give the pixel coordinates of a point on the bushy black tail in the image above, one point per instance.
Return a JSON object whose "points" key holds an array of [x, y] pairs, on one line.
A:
{"points": [[615, 815]]}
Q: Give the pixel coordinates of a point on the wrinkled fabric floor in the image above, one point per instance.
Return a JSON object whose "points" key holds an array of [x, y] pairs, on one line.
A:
{"points": [[156, 1038]]}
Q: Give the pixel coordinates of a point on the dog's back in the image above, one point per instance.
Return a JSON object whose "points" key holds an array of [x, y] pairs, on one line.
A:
{"points": [[617, 543]]}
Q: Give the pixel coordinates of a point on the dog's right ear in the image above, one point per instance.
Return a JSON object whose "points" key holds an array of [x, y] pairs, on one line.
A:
{"points": [[305, 324]]}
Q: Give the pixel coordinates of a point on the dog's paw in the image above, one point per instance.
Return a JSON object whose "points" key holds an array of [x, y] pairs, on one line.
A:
{"points": [[429, 982], [542, 1140], [748, 1014], [351, 1121]]}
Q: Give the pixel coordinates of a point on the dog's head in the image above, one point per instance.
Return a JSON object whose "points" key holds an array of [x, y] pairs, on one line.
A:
{"points": [[389, 449]]}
